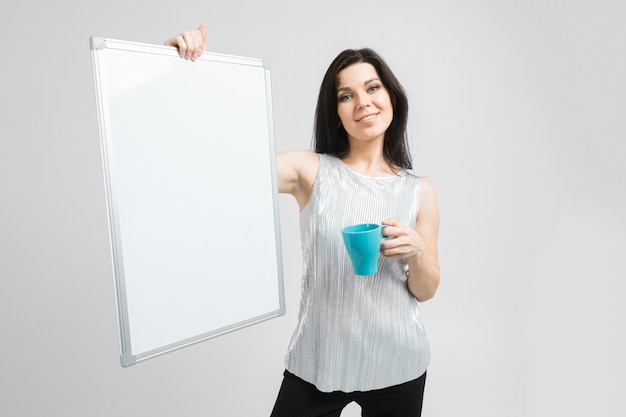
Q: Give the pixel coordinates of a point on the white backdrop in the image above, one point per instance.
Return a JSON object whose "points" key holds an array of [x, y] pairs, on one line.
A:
{"points": [[517, 117]]}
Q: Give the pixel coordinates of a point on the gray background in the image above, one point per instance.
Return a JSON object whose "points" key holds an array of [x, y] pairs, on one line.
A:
{"points": [[517, 117]]}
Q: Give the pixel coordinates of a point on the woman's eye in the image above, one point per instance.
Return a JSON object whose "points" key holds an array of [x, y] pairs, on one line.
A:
{"points": [[345, 97], [373, 88]]}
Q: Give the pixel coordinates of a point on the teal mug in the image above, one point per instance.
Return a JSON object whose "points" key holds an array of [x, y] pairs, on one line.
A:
{"points": [[362, 242]]}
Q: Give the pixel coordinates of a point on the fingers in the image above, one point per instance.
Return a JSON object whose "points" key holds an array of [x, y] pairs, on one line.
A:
{"points": [[390, 222], [400, 247], [392, 228], [404, 242], [400, 252], [190, 43]]}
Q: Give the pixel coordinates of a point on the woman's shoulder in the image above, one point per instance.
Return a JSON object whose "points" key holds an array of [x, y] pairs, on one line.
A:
{"points": [[427, 189]]}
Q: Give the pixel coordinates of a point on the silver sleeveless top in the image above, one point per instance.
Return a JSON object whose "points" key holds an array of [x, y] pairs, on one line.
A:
{"points": [[355, 333]]}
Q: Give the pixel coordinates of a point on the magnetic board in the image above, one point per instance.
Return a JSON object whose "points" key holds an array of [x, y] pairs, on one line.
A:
{"points": [[191, 193]]}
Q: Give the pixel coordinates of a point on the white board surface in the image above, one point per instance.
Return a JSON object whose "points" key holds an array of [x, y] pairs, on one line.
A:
{"points": [[188, 158]]}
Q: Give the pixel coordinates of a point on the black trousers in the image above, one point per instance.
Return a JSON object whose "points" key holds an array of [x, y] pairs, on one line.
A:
{"points": [[298, 398]]}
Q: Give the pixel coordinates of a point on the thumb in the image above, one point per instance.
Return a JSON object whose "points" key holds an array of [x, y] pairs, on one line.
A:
{"points": [[390, 222], [202, 29]]}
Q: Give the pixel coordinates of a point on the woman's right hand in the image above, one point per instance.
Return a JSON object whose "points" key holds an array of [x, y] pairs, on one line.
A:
{"points": [[190, 43]]}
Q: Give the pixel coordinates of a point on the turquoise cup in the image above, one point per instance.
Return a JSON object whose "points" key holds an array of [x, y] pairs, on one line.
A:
{"points": [[362, 243]]}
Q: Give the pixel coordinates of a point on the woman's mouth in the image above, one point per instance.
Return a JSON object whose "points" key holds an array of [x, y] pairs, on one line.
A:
{"points": [[367, 118]]}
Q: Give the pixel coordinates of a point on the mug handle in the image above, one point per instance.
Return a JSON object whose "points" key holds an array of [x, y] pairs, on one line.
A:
{"points": [[383, 237]]}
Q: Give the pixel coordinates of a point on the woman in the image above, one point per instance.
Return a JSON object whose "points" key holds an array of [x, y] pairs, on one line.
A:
{"points": [[358, 338]]}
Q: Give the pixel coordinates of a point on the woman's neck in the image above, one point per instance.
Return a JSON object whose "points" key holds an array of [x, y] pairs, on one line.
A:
{"points": [[372, 165]]}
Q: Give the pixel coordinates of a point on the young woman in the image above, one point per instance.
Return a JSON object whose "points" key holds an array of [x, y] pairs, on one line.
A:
{"points": [[358, 338]]}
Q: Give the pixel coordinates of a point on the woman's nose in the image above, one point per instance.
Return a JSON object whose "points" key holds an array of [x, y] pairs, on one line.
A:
{"points": [[362, 101]]}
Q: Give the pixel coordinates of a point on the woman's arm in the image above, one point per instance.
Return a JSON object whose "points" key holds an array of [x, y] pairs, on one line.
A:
{"points": [[296, 170], [418, 246]]}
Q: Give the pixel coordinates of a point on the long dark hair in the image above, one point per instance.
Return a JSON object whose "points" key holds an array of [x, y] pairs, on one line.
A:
{"points": [[332, 138]]}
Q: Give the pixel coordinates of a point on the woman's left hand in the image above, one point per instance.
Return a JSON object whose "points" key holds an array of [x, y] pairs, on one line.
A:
{"points": [[418, 245], [404, 242]]}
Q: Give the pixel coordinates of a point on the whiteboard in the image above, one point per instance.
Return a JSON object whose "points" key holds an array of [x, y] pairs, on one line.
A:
{"points": [[191, 194]]}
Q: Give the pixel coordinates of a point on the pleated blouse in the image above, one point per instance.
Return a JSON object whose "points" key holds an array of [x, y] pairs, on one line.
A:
{"points": [[355, 333]]}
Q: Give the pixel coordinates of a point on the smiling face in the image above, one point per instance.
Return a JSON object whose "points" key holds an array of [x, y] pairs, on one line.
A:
{"points": [[363, 103]]}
